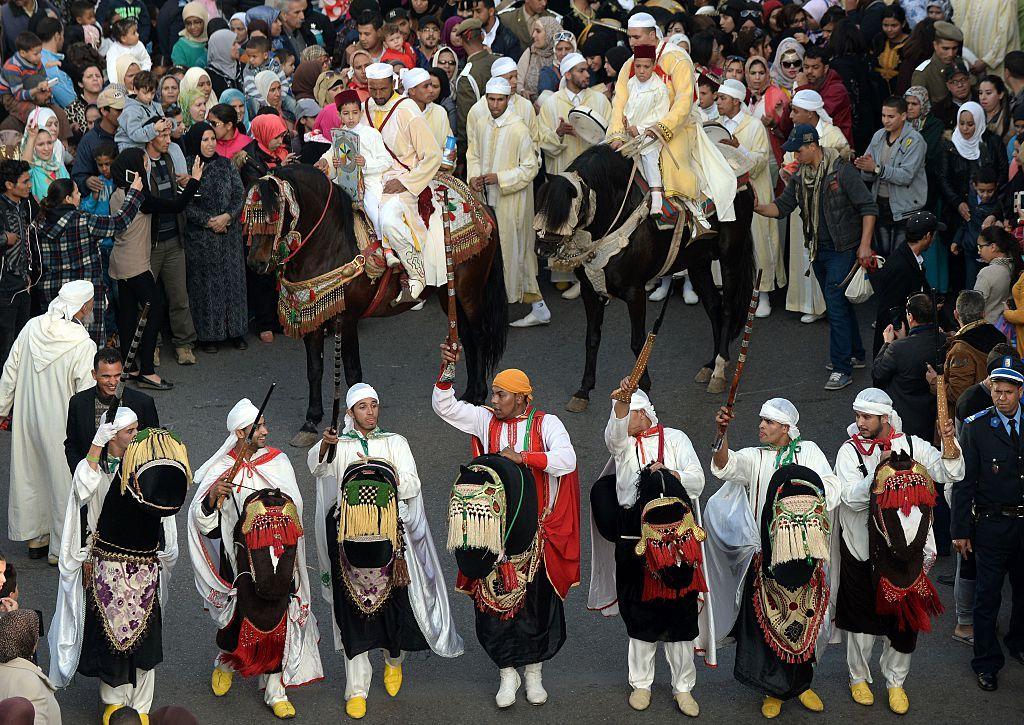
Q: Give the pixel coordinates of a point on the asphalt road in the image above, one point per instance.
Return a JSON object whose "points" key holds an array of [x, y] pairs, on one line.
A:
{"points": [[587, 680]]}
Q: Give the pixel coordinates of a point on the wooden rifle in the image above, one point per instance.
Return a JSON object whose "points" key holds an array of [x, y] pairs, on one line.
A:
{"points": [[645, 354], [129, 361], [248, 446], [950, 450], [336, 411], [453, 321], [748, 327]]}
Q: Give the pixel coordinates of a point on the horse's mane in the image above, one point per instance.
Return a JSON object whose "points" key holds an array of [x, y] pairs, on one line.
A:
{"points": [[303, 179], [600, 167]]}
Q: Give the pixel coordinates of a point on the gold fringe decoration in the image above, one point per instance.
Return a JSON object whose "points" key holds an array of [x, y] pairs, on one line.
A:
{"points": [[799, 529], [153, 444], [476, 514]]}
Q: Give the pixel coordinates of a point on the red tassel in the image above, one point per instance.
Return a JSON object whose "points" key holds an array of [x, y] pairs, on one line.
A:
{"points": [[258, 652], [906, 497], [912, 607], [691, 551], [509, 578], [277, 532]]}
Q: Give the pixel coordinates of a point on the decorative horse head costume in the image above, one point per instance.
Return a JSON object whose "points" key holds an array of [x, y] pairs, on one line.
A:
{"points": [[153, 479], [898, 563], [369, 543], [790, 588], [266, 539], [492, 529]]}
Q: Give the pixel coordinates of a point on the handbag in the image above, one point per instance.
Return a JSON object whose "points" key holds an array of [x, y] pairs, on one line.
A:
{"points": [[859, 289]]}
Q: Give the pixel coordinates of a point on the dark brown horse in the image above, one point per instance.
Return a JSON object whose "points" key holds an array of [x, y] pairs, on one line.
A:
{"points": [[479, 288], [607, 174]]}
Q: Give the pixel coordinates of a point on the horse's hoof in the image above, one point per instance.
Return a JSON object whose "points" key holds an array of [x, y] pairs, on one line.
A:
{"points": [[305, 439], [577, 405], [716, 385], [703, 376]]}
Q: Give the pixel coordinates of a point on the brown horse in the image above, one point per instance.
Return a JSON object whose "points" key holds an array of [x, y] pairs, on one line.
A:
{"points": [[331, 243]]}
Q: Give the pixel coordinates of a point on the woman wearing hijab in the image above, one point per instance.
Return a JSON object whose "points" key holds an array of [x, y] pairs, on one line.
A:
{"points": [[271, 17], [551, 75], [190, 48], [130, 258], [446, 59], [199, 78], [213, 246], [236, 99], [920, 118], [20, 677], [451, 40], [770, 105], [789, 61], [614, 59], [305, 77], [39, 149], [445, 98], [222, 61], [193, 107], [971, 147], [269, 94], [540, 54], [125, 70], [239, 27]]}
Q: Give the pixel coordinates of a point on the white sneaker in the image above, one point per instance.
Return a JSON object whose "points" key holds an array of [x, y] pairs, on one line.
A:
{"points": [[535, 692], [662, 292], [764, 305], [572, 293], [689, 295], [809, 318], [531, 320], [510, 682]]}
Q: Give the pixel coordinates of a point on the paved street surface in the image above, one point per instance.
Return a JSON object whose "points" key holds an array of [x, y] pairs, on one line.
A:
{"points": [[587, 680]]}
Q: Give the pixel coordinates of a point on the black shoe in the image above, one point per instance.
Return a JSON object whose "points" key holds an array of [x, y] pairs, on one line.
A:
{"points": [[144, 382], [210, 348], [239, 343], [1019, 656], [987, 682], [947, 579]]}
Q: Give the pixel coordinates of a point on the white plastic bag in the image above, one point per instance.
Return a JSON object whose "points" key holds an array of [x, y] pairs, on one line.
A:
{"points": [[859, 290]]}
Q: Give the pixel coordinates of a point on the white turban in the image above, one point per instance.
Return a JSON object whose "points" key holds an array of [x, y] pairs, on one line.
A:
{"points": [[380, 71], [642, 20], [70, 299], [123, 418], [359, 391], [734, 89], [782, 411], [500, 86], [413, 77], [680, 39], [810, 100], [503, 66], [242, 415], [640, 401], [875, 401], [570, 61]]}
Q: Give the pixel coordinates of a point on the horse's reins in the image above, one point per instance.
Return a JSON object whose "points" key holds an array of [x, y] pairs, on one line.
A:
{"points": [[330, 193]]}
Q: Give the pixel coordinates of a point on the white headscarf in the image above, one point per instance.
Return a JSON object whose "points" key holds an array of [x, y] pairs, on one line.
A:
{"points": [[41, 116], [640, 401], [782, 411], [242, 415], [191, 82], [875, 401], [359, 391], [970, 148], [265, 80], [124, 417], [811, 101], [786, 45], [70, 299]]}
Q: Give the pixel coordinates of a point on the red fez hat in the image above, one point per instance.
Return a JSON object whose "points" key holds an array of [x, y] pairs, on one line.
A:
{"points": [[644, 51], [349, 95]]}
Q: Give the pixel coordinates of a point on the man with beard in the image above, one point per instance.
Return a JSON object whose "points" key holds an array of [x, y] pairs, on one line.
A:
{"points": [[218, 505], [653, 468], [414, 615], [875, 436], [513, 428], [48, 364]]}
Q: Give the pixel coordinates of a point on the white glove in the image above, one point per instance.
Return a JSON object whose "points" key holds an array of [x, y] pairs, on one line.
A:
{"points": [[104, 434]]}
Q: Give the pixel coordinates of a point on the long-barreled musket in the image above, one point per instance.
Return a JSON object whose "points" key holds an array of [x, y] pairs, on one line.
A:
{"points": [[336, 411], [950, 450], [248, 445], [645, 354], [748, 327], [132, 353], [453, 320]]}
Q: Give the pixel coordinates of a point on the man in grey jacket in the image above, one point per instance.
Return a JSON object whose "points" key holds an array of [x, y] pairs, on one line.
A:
{"points": [[894, 169], [839, 219]]}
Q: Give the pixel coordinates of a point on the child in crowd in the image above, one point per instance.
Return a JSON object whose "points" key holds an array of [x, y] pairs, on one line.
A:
{"points": [[26, 62], [648, 103], [286, 59], [190, 48], [258, 59], [132, 129], [98, 202], [980, 204], [111, 11], [707, 87], [396, 47], [373, 159], [84, 29], [125, 35]]}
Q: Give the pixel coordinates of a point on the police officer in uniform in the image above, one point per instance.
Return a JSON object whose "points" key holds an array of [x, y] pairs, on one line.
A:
{"points": [[947, 44], [988, 517]]}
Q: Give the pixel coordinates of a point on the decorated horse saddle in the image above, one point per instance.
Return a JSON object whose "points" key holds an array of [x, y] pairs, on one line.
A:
{"points": [[492, 530], [898, 560], [370, 535]]}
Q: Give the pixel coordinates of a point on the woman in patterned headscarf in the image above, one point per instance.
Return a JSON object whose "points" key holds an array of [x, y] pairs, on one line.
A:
{"points": [[789, 61], [540, 54], [20, 677], [919, 115]]}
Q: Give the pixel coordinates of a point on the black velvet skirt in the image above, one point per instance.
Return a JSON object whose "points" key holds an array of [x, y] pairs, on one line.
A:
{"points": [[659, 620], [99, 659], [855, 604], [534, 634]]}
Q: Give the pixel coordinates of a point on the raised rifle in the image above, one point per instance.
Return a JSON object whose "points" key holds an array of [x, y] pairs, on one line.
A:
{"points": [[453, 320], [132, 353], [248, 446], [950, 450], [336, 411], [748, 327], [645, 354]]}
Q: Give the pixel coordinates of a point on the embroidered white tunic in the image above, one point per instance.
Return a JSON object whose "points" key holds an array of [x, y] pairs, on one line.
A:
{"points": [[560, 151]]}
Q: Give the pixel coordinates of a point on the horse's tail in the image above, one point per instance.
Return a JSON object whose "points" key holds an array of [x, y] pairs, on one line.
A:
{"points": [[494, 322]]}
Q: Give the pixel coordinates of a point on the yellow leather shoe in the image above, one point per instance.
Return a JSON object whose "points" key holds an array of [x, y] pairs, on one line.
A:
{"points": [[283, 710], [899, 703], [392, 679], [810, 700], [221, 681], [108, 711], [771, 707], [356, 708], [144, 718], [861, 693]]}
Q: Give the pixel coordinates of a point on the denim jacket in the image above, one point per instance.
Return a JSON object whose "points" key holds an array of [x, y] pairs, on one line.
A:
{"points": [[905, 171]]}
